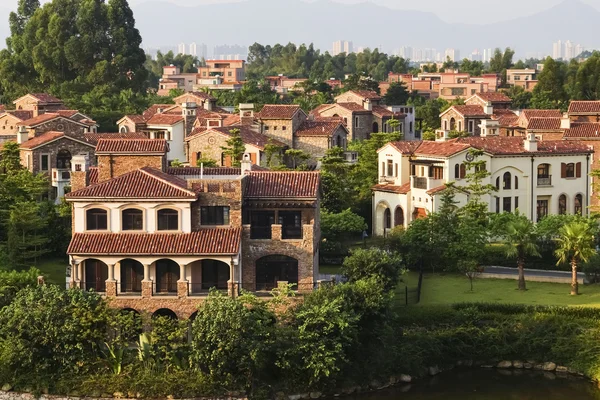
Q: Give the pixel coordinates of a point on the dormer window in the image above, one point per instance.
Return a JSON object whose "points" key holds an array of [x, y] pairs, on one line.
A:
{"points": [[132, 219], [96, 219]]}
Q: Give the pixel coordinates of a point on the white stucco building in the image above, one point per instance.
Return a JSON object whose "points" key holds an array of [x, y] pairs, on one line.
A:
{"points": [[536, 177]]}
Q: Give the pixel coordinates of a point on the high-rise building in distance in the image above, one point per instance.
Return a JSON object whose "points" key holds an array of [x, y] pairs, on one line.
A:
{"points": [[181, 48], [342, 46], [193, 49]]}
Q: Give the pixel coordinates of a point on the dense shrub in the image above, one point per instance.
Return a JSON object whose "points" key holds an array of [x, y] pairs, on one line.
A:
{"points": [[13, 281], [383, 265]]}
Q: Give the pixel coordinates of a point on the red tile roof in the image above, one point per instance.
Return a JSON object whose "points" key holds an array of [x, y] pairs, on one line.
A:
{"points": [[93, 175], [128, 146], [66, 113], [93, 138], [436, 190], [279, 111], [584, 107], [320, 127], [514, 146], [46, 98], [136, 118], [443, 149], [147, 183], [40, 119], [406, 146], [164, 119], [533, 113], [282, 184], [353, 107], [470, 110], [544, 124], [583, 130], [188, 171], [42, 139], [21, 114], [200, 95], [403, 189], [366, 94], [153, 109], [381, 111], [494, 97], [203, 242]]}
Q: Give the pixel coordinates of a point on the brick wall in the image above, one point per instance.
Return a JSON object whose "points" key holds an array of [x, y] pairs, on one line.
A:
{"points": [[121, 164], [217, 197]]}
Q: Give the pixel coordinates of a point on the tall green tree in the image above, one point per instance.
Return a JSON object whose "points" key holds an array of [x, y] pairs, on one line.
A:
{"points": [[397, 94], [520, 241], [234, 147], [575, 244], [550, 92]]}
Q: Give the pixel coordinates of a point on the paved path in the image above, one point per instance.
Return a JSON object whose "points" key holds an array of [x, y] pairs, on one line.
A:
{"points": [[538, 274]]}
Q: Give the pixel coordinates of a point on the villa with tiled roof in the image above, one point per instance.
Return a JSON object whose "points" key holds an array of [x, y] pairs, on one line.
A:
{"points": [[159, 239], [537, 177]]}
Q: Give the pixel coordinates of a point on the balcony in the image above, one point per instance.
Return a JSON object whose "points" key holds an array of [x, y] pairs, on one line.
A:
{"points": [[351, 156], [60, 175], [419, 182], [544, 180]]}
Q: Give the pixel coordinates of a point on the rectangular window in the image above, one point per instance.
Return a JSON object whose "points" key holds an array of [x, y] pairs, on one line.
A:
{"points": [[260, 224], [159, 135], [396, 171], [291, 224], [214, 215], [471, 124], [390, 168], [168, 220], [497, 205], [283, 128], [516, 203], [438, 173], [45, 162], [570, 171], [506, 204], [542, 209], [356, 120]]}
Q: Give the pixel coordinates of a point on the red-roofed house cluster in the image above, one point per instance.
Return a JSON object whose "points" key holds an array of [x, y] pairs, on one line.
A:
{"points": [[536, 177], [157, 237]]}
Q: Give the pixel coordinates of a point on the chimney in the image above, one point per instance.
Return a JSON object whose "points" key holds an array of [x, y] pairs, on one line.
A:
{"points": [[246, 113], [530, 143], [188, 111], [565, 122], [22, 135], [488, 108], [246, 164], [367, 104], [208, 105], [79, 172]]}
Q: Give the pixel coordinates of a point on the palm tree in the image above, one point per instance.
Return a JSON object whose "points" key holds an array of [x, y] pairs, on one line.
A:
{"points": [[575, 243], [520, 240]]}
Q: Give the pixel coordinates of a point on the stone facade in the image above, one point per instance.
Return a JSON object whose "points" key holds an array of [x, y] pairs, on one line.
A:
{"points": [[283, 129], [32, 158], [8, 124], [461, 123], [210, 145], [317, 146], [218, 193], [113, 165], [59, 124], [358, 123]]}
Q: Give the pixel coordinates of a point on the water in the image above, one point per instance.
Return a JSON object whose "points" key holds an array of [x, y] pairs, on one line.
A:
{"points": [[477, 384]]}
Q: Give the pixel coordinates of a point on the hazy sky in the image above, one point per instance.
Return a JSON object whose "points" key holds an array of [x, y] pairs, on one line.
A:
{"points": [[478, 11]]}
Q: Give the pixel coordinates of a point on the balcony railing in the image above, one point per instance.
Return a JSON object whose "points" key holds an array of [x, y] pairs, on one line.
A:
{"points": [[202, 288], [164, 288], [544, 180], [130, 288], [419, 182], [60, 175]]}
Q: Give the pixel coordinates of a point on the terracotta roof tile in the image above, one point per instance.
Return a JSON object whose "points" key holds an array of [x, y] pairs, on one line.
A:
{"points": [[200, 95], [534, 113], [443, 149], [381, 111], [353, 107], [40, 119], [406, 146], [21, 114], [583, 130], [136, 118], [366, 94], [514, 146], [164, 119], [153, 109], [279, 111], [128, 146], [283, 184], [66, 113], [93, 175], [544, 124], [494, 97], [46, 98], [470, 110], [320, 127], [188, 171], [584, 107], [403, 189], [203, 242], [46, 138], [147, 183], [436, 190], [93, 137]]}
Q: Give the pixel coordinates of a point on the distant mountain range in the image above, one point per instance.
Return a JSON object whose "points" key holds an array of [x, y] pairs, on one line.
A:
{"points": [[366, 24]]}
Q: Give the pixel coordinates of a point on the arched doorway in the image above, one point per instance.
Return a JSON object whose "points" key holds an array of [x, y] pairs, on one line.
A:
{"points": [[387, 219], [124, 129], [96, 274], [375, 127], [273, 269], [214, 274], [399, 216], [167, 275], [132, 275], [164, 312], [578, 204], [63, 159], [562, 204]]}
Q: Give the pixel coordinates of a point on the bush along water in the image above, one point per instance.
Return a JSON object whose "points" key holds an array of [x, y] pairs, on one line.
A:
{"points": [[334, 340]]}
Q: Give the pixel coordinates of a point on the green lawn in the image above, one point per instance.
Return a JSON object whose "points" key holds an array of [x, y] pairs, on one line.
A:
{"points": [[54, 269], [448, 289]]}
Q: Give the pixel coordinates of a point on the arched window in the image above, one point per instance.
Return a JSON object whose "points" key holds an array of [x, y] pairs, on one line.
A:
{"points": [[387, 219], [506, 181], [168, 220], [124, 129], [96, 219], [63, 159], [399, 216], [452, 123], [460, 126], [132, 219], [375, 127], [410, 127], [463, 171], [456, 171], [516, 182], [498, 183], [562, 204], [445, 125], [578, 204]]}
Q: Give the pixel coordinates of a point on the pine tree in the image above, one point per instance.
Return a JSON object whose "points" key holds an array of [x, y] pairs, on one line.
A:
{"points": [[234, 148], [26, 234]]}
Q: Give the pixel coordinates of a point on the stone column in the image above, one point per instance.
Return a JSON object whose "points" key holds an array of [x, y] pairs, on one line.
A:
{"points": [[111, 272], [231, 289], [73, 277], [182, 283], [182, 273], [111, 283], [275, 232], [146, 283], [80, 274]]}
